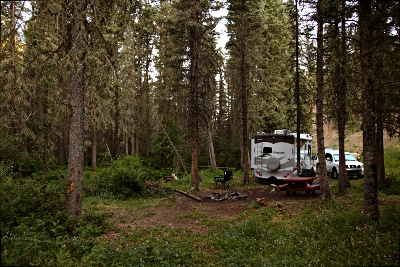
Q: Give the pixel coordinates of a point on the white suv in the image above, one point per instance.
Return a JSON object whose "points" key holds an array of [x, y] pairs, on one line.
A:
{"points": [[354, 168]]}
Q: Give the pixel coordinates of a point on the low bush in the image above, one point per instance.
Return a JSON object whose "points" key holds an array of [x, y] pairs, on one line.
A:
{"points": [[125, 178], [25, 200], [35, 229], [6, 171], [60, 174]]}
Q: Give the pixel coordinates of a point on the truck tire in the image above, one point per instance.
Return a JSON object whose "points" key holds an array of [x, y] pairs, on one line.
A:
{"points": [[334, 173]]}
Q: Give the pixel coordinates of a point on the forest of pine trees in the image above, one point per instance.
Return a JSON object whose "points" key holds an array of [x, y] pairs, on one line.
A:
{"points": [[85, 81]]}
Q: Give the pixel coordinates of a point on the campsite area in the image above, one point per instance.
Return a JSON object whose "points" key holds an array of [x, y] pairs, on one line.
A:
{"points": [[252, 226], [245, 225]]}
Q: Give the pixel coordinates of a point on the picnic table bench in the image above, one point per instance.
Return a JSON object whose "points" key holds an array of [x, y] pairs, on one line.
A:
{"points": [[296, 184]]}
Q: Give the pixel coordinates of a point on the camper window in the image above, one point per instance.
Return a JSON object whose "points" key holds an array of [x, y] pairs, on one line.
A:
{"points": [[267, 150]]}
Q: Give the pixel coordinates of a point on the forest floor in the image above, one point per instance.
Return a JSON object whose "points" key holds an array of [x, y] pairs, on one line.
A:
{"points": [[181, 212]]}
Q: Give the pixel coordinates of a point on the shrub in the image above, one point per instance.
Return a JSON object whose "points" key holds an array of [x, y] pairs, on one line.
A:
{"points": [[8, 151], [123, 179], [60, 174], [6, 171], [28, 199], [35, 229]]}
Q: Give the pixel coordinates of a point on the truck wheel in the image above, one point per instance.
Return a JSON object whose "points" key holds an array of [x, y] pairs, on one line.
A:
{"points": [[335, 174]]}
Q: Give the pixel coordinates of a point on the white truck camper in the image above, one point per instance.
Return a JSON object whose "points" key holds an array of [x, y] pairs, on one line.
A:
{"points": [[274, 155]]}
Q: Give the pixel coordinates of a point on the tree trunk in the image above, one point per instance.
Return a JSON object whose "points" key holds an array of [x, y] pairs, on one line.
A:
{"points": [[148, 125], [344, 71], [325, 191], [243, 78], [94, 148], [340, 92], [115, 135], [297, 93], [380, 149], [211, 151], [15, 103], [76, 133], [371, 209], [138, 103], [221, 106], [62, 147], [194, 112], [380, 94]]}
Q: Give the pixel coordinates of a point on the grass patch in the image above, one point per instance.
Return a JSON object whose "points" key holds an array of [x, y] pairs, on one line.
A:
{"points": [[194, 215], [392, 159], [324, 236]]}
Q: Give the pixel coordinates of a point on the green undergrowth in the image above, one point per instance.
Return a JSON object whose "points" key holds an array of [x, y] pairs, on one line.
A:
{"points": [[322, 235], [35, 230]]}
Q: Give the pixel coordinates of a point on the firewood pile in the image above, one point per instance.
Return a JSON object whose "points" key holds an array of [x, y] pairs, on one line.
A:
{"points": [[221, 197]]}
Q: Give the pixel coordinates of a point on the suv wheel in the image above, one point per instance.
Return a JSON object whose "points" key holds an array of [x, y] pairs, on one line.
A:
{"points": [[335, 174]]}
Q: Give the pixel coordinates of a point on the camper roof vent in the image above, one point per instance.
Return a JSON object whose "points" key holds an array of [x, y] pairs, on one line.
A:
{"points": [[284, 131]]}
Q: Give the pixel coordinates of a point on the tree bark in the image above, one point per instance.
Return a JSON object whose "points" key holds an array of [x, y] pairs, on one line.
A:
{"points": [[339, 85], [380, 98], [211, 151], [94, 148], [62, 147], [344, 71], [243, 79], [371, 209], [189, 195], [15, 104], [194, 112], [76, 133], [325, 190], [380, 149], [116, 138], [297, 94]]}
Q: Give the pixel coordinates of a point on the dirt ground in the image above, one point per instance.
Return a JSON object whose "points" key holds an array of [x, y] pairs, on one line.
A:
{"points": [[179, 211]]}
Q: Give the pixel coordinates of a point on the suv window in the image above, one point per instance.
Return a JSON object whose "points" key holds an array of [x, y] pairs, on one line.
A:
{"points": [[348, 157]]}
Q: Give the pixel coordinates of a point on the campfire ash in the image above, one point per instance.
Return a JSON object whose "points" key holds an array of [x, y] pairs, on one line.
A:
{"points": [[221, 197]]}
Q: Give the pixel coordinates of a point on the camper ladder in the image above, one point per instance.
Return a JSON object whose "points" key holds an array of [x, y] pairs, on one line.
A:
{"points": [[259, 151]]}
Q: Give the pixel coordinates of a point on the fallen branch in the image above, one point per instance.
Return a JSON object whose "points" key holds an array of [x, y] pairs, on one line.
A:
{"points": [[189, 195]]}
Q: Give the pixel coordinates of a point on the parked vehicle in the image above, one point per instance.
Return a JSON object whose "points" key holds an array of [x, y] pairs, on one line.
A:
{"points": [[274, 155], [354, 168]]}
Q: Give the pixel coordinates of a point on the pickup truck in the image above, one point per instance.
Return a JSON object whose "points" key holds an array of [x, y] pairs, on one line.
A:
{"points": [[354, 168]]}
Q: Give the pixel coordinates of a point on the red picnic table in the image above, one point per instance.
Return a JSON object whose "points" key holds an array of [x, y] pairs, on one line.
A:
{"points": [[295, 184]]}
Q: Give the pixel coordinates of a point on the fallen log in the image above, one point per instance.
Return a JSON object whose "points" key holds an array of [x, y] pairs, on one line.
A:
{"points": [[189, 195]]}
